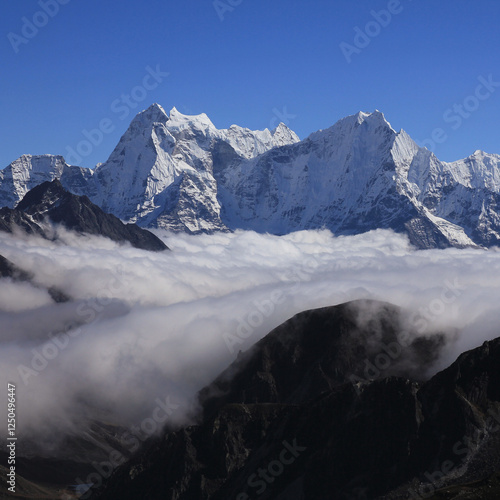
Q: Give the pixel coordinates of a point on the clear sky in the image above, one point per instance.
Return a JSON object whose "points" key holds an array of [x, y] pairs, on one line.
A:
{"points": [[431, 67]]}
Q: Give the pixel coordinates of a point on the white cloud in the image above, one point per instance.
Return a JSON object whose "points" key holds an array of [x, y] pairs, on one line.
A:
{"points": [[146, 325]]}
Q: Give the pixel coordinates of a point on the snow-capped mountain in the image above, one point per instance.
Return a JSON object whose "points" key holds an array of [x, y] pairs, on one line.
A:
{"points": [[358, 175], [181, 172], [161, 172], [29, 171]]}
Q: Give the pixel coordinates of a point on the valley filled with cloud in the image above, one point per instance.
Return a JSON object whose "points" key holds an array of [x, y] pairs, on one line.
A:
{"points": [[142, 326]]}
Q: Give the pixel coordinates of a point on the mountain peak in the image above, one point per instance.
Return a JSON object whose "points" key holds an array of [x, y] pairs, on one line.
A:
{"points": [[374, 117], [281, 126], [51, 201], [350, 124], [174, 111], [42, 197], [154, 114], [181, 121], [282, 135], [156, 108], [361, 116], [305, 380], [39, 160]]}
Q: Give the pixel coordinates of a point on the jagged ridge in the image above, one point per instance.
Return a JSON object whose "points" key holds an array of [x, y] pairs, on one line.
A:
{"points": [[182, 173], [50, 202]]}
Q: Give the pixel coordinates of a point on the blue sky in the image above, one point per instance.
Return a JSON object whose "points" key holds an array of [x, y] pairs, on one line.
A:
{"points": [[432, 68]]}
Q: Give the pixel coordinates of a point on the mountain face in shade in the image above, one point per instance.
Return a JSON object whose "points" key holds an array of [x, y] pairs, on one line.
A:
{"points": [[12, 220], [50, 201], [297, 417], [181, 173]]}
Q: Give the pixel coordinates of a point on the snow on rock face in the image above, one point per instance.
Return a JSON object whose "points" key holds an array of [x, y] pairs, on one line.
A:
{"points": [[465, 192], [161, 172], [249, 144], [312, 184], [358, 175], [182, 173], [29, 171], [140, 167], [282, 136]]}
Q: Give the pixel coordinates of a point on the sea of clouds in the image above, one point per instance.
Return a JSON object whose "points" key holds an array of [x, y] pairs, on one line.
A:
{"points": [[142, 326]]}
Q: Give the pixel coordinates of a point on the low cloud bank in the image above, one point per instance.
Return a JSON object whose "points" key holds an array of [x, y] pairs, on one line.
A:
{"points": [[145, 326]]}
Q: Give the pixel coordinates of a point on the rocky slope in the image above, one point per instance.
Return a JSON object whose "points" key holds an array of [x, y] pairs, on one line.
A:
{"points": [[298, 417], [49, 202], [182, 173]]}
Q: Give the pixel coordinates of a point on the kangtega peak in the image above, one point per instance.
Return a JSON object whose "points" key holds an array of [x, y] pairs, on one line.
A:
{"points": [[182, 173]]}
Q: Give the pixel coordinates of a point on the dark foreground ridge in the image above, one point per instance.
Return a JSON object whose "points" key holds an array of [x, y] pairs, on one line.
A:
{"points": [[298, 416], [50, 201]]}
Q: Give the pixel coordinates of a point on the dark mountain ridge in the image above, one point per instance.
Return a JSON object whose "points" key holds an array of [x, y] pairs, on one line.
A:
{"points": [[297, 417], [49, 201]]}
